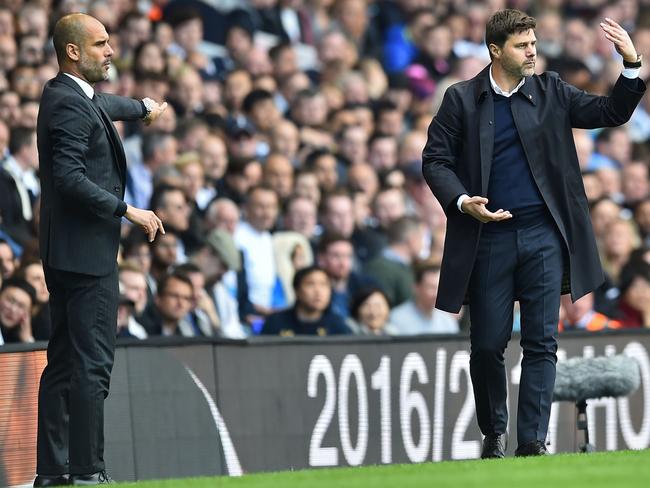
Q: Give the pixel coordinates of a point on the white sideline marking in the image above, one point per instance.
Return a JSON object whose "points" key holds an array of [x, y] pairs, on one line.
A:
{"points": [[232, 461]]}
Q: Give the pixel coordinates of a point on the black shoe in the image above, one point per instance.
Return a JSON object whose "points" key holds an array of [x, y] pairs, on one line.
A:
{"points": [[57, 480], [494, 446], [534, 448], [100, 478]]}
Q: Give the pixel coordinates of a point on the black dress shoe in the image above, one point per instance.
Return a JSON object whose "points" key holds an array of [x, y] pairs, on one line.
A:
{"points": [[100, 478], [57, 480], [534, 448], [494, 446]]}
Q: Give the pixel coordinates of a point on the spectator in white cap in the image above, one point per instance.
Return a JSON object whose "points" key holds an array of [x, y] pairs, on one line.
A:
{"points": [[218, 256]]}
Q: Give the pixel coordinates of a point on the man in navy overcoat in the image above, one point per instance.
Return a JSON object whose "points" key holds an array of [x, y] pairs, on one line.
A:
{"points": [[501, 160]]}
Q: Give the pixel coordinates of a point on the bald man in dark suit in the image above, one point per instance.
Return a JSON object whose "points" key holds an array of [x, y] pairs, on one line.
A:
{"points": [[82, 170]]}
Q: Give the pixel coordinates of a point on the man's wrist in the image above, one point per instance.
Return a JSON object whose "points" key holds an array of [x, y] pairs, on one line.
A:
{"points": [[632, 61], [459, 202], [147, 107], [121, 209], [631, 73]]}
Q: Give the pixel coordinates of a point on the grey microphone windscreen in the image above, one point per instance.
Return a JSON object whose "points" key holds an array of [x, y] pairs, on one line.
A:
{"points": [[579, 379]]}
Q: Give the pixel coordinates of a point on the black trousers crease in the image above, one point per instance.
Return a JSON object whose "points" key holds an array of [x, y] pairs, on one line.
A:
{"points": [[76, 380]]}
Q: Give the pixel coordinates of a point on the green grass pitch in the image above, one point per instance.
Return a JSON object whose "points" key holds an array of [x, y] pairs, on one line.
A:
{"points": [[620, 469]]}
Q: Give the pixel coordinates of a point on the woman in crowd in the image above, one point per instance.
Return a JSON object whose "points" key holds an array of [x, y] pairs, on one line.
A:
{"points": [[370, 312], [634, 305], [31, 270]]}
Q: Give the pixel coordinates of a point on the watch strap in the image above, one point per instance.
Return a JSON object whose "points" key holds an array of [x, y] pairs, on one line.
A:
{"points": [[635, 64]]}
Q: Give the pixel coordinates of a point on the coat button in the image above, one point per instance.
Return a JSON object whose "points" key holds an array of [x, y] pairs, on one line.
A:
{"points": [[490, 122], [116, 189]]}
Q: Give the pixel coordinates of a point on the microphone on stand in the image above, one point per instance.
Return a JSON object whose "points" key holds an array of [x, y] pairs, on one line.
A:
{"points": [[580, 379]]}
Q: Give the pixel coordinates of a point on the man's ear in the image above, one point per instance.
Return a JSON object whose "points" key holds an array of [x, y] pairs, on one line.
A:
{"points": [[494, 50], [73, 51]]}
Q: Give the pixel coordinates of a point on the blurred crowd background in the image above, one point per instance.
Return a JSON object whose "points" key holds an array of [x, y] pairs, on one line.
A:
{"points": [[287, 168]]}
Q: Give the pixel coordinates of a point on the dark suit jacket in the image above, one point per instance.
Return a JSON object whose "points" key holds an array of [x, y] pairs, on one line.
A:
{"points": [[82, 169], [458, 155]]}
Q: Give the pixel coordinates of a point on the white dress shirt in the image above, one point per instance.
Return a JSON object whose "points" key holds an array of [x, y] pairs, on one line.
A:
{"points": [[260, 263], [85, 86], [407, 319]]}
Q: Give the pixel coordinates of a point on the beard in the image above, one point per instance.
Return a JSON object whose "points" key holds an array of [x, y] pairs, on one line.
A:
{"points": [[528, 69], [92, 70], [517, 70]]}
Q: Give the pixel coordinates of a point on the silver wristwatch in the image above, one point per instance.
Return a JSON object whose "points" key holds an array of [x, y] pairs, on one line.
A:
{"points": [[149, 105]]}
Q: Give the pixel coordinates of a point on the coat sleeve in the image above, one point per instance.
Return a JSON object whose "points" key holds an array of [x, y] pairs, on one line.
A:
{"points": [[121, 108], [589, 111], [70, 129], [442, 151]]}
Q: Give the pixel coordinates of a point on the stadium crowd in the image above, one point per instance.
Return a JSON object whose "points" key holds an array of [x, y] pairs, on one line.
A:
{"points": [[287, 168]]}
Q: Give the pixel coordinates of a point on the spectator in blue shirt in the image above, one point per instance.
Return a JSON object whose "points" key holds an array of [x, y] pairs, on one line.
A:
{"points": [[311, 314], [336, 256]]}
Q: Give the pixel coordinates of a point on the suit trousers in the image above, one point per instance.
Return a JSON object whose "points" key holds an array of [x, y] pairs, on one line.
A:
{"points": [[526, 264], [76, 379]]}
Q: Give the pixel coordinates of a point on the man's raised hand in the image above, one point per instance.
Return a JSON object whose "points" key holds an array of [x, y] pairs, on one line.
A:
{"points": [[620, 38]]}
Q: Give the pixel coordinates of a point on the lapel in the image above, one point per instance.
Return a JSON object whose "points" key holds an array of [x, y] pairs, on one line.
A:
{"points": [[111, 131], [485, 108], [523, 104], [114, 136]]}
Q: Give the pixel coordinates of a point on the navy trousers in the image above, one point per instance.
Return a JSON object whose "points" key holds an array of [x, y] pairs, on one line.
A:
{"points": [[516, 262]]}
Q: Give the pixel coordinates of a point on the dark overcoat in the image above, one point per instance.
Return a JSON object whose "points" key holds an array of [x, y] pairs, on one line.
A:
{"points": [[457, 158]]}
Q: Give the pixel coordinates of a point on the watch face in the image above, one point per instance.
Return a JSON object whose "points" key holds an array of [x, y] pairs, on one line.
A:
{"points": [[149, 104]]}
